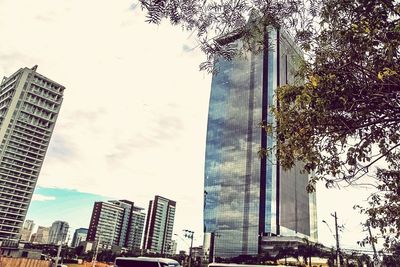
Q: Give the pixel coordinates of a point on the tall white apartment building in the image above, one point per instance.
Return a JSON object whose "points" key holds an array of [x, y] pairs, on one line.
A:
{"points": [[159, 225], [29, 105]]}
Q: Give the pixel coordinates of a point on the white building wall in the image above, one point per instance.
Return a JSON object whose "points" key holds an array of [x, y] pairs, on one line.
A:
{"points": [[29, 105]]}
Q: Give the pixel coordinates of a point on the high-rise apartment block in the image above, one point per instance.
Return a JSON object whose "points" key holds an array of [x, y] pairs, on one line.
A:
{"points": [[27, 229], [58, 232], [79, 236], [136, 230], [116, 223], [42, 235], [29, 105], [159, 225], [249, 199]]}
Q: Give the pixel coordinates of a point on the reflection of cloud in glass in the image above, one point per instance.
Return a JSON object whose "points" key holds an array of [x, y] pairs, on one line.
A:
{"points": [[232, 168], [232, 146]]}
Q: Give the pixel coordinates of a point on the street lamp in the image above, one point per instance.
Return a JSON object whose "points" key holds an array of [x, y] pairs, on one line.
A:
{"points": [[330, 230], [189, 234], [182, 239], [94, 258], [336, 238], [60, 246]]}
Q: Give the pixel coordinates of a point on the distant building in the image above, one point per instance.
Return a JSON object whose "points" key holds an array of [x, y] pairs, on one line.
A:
{"points": [[58, 232], [135, 236], [26, 230], [87, 246], [32, 239], [116, 223], [29, 105], [198, 253], [79, 236], [159, 225], [42, 235], [173, 248]]}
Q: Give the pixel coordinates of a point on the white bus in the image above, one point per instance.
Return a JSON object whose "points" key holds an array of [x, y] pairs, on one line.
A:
{"points": [[214, 264], [145, 262]]}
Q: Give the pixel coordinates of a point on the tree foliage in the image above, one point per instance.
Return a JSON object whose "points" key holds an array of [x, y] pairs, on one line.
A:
{"points": [[343, 118], [216, 23], [384, 208]]}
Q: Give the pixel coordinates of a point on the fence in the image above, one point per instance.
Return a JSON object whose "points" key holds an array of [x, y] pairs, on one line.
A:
{"points": [[22, 262]]}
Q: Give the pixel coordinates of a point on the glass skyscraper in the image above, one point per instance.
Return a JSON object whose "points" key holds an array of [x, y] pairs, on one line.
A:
{"points": [[247, 198]]}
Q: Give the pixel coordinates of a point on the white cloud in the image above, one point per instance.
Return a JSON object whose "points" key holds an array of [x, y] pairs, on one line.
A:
{"points": [[39, 197], [133, 121]]}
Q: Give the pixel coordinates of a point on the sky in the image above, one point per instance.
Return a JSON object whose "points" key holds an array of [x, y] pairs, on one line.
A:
{"points": [[134, 116]]}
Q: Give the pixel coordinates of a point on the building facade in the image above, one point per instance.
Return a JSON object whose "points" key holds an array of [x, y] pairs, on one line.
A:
{"points": [[247, 198], [42, 235], [58, 232], [79, 236], [173, 248], [116, 223], [29, 106], [135, 236], [159, 225], [27, 229]]}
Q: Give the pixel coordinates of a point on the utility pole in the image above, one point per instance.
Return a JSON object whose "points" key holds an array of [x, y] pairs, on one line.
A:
{"points": [[189, 234], [94, 259], [337, 240], [376, 259], [58, 252], [64, 255], [59, 248], [215, 235]]}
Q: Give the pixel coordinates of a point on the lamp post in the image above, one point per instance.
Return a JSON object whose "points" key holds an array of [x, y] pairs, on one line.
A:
{"points": [[94, 259], [60, 247], [336, 238], [376, 259], [182, 240], [189, 234]]}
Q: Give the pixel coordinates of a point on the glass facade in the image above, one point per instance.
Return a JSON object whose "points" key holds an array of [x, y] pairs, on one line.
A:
{"points": [[243, 195]]}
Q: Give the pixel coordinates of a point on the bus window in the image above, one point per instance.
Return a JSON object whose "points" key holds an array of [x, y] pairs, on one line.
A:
{"points": [[169, 264], [135, 263]]}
